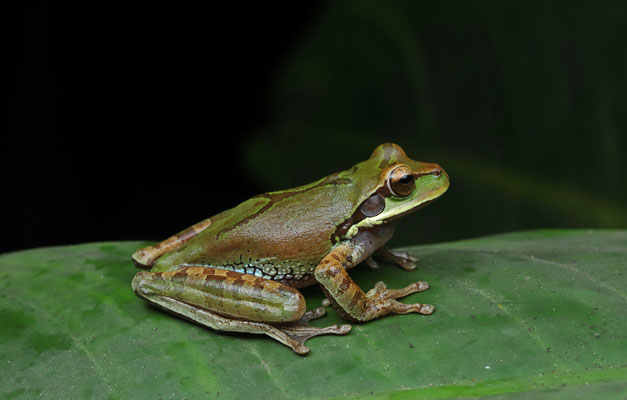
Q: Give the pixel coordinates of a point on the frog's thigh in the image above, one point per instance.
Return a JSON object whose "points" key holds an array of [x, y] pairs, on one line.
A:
{"points": [[198, 294], [228, 293]]}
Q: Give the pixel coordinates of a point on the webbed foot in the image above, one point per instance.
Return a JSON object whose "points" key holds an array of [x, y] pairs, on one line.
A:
{"points": [[296, 333]]}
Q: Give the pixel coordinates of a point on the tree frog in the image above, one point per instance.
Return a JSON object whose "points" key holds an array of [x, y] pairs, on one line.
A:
{"points": [[239, 270]]}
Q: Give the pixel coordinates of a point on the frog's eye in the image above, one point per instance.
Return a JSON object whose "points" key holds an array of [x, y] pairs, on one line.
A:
{"points": [[401, 181]]}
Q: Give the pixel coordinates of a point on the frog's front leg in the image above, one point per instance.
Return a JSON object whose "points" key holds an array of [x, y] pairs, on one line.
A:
{"points": [[348, 298], [231, 301]]}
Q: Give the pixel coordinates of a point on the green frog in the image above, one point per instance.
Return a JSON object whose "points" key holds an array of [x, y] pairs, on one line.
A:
{"points": [[241, 269]]}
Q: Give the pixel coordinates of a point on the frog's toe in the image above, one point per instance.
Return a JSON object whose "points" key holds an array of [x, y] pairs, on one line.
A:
{"points": [[402, 308], [372, 263], [313, 314], [406, 261], [426, 309], [408, 266], [300, 349], [415, 287], [380, 286], [419, 286], [344, 329], [380, 290], [406, 256]]}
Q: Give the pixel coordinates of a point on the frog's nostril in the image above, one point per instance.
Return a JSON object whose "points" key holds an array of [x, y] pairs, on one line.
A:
{"points": [[437, 172]]}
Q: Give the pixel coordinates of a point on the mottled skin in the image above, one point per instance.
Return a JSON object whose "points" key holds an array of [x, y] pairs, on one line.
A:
{"points": [[238, 270]]}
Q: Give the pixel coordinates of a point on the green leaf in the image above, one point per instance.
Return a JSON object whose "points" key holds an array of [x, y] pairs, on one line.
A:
{"points": [[526, 315]]}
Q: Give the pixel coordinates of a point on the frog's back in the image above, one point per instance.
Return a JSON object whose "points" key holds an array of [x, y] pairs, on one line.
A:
{"points": [[278, 235]]}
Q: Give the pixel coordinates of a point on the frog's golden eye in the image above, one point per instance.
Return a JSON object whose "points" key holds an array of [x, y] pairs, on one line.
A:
{"points": [[401, 181]]}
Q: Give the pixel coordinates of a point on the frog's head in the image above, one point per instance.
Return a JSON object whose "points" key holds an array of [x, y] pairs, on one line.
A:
{"points": [[393, 185]]}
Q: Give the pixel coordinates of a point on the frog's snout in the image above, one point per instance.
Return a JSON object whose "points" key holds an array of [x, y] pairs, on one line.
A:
{"points": [[438, 172], [441, 172], [432, 169]]}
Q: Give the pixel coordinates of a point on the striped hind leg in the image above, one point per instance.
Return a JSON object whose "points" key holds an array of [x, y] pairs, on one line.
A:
{"points": [[234, 302], [145, 257]]}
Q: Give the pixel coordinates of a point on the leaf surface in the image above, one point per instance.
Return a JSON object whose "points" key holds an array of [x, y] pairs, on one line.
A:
{"points": [[527, 315]]}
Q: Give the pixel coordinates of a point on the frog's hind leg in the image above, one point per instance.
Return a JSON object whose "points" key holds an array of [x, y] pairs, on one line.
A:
{"points": [[144, 258], [292, 335], [230, 301]]}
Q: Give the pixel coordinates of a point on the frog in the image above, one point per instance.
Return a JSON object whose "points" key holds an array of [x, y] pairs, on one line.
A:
{"points": [[240, 270]]}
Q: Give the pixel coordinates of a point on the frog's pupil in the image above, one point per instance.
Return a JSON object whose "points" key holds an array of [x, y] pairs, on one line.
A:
{"points": [[405, 179]]}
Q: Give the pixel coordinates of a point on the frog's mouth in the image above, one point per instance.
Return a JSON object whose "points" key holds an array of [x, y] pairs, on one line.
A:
{"points": [[393, 213], [400, 211], [409, 211]]}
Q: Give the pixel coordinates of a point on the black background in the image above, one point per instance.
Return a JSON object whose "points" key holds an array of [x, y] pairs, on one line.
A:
{"points": [[111, 103], [134, 121]]}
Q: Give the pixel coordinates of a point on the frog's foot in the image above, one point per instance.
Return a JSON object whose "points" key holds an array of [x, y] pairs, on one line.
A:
{"points": [[400, 257], [386, 298], [296, 333]]}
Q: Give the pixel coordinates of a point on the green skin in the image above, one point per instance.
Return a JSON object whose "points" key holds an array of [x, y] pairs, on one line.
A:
{"points": [[238, 270]]}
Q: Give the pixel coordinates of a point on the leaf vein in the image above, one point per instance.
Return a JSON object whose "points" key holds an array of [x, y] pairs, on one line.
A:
{"points": [[570, 267]]}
